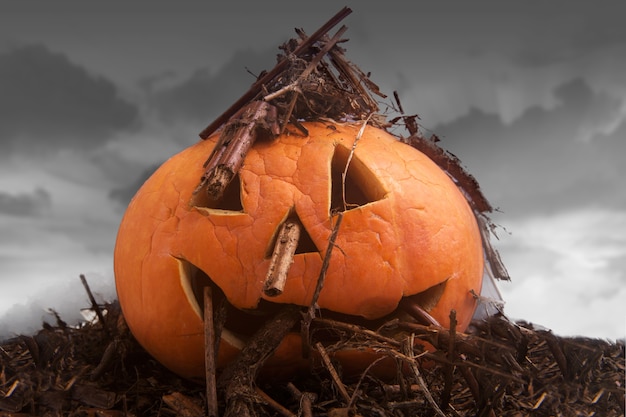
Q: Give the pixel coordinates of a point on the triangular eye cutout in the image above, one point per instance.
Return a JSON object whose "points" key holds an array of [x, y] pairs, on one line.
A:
{"points": [[360, 186], [305, 243], [230, 201]]}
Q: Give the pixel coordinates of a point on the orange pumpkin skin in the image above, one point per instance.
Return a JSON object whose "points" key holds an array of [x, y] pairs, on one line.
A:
{"points": [[414, 230]]}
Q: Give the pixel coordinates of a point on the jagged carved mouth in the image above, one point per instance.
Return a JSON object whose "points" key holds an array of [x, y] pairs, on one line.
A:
{"points": [[239, 325]]}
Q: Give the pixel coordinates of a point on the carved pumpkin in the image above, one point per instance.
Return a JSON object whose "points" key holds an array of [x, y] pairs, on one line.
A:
{"points": [[407, 230]]}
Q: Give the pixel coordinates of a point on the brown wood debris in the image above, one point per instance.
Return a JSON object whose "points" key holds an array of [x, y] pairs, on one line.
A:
{"points": [[497, 368]]}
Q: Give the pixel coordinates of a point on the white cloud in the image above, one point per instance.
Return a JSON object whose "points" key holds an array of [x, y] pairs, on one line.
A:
{"points": [[74, 235], [66, 297], [567, 272]]}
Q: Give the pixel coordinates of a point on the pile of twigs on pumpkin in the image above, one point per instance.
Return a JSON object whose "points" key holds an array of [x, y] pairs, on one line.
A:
{"points": [[497, 368]]}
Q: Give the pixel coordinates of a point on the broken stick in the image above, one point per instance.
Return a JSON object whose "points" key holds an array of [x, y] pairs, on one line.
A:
{"points": [[333, 372], [449, 367], [234, 143], [210, 354], [282, 258], [94, 304], [238, 377]]}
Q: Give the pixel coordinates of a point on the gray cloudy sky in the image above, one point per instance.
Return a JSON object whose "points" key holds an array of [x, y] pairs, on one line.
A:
{"points": [[530, 96]]}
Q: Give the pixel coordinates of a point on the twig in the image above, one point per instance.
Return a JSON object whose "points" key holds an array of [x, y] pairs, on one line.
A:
{"points": [[344, 174], [286, 89], [257, 86], [397, 391], [348, 70], [449, 367], [417, 312], [358, 384], [472, 384], [238, 377], [304, 398], [94, 305], [310, 314], [410, 122], [182, 405], [494, 371], [295, 85], [556, 350], [273, 403], [325, 263], [109, 355], [333, 372], [335, 324], [209, 354], [220, 314], [307, 71], [540, 400], [282, 257], [476, 346], [234, 143], [408, 348], [493, 256]]}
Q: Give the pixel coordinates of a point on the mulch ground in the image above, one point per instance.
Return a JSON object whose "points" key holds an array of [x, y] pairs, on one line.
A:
{"points": [[497, 368]]}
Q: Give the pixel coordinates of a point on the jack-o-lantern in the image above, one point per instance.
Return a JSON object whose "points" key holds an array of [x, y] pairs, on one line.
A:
{"points": [[406, 230]]}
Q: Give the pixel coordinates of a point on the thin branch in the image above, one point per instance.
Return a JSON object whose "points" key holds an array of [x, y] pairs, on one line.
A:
{"points": [[449, 367], [356, 329], [257, 86], [333, 372], [325, 263], [235, 141], [418, 376], [304, 398], [209, 354], [344, 174], [94, 305], [238, 377], [307, 71], [279, 408]]}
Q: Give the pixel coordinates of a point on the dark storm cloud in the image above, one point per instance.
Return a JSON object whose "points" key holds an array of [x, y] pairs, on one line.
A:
{"points": [[595, 30], [123, 195], [570, 31], [611, 150], [547, 158], [204, 96], [25, 204], [47, 102]]}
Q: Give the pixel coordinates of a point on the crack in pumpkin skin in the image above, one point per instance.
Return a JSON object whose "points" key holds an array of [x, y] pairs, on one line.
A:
{"points": [[387, 248]]}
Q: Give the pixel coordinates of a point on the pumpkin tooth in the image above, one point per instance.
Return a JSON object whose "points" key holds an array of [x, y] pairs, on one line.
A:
{"points": [[233, 339], [419, 305], [187, 273]]}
